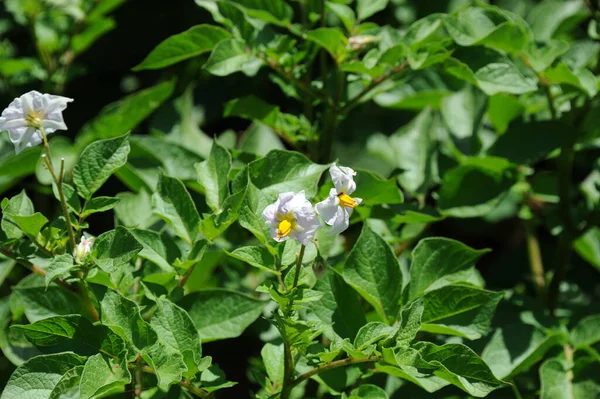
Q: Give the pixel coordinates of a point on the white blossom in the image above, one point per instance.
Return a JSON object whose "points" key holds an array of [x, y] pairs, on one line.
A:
{"points": [[292, 215], [338, 206], [26, 115], [83, 249]]}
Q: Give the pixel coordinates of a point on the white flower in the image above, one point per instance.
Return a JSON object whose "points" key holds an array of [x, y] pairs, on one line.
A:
{"points": [[25, 116], [292, 215], [83, 249], [338, 206]]}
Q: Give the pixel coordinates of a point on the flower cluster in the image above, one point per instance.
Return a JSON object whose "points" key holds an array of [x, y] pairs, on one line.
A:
{"points": [[292, 215], [33, 115]]}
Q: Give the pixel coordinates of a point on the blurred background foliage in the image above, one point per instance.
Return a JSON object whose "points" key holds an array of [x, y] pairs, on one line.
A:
{"points": [[86, 49]]}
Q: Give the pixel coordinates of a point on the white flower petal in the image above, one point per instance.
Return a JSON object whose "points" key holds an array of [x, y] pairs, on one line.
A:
{"points": [[295, 208], [25, 114], [342, 221], [328, 208], [25, 137], [52, 126], [343, 179], [14, 124]]}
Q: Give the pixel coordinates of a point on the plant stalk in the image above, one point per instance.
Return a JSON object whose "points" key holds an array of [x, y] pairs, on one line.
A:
{"points": [[288, 358], [332, 365], [535, 261], [59, 187]]}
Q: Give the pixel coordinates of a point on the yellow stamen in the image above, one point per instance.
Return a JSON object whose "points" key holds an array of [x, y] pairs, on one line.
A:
{"points": [[347, 201], [284, 228]]}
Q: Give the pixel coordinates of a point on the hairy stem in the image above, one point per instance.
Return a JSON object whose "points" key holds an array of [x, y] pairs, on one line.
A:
{"points": [[288, 358], [333, 365], [535, 261], [59, 186], [376, 82]]}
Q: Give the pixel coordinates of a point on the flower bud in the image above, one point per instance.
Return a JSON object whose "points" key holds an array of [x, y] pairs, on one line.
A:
{"points": [[83, 249]]}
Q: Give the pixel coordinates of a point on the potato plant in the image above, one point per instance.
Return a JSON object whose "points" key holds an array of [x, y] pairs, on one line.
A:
{"points": [[371, 199]]}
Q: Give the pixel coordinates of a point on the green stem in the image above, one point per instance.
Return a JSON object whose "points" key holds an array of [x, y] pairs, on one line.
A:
{"points": [[376, 82], [33, 268], [298, 266], [332, 365], [288, 358], [535, 261], [516, 389], [58, 180]]}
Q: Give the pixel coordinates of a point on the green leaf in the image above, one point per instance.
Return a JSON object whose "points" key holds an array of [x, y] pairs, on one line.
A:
{"points": [[373, 271], [114, 249], [434, 259], [227, 57], [582, 79], [276, 12], [588, 247], [158, 249], [550, 17], [288, 126], [19, 205], [256, 256], [176, 329], [375, 191], [371, 333], [460, 366], [516, 347], [37, 377], [272, 357], [409, 323], [561, 381], [98, 162], [173, 203], [123, 317], [495, 174], [40, 303], [339, 310], [332, 40], [135, 210], [541, 56], [415, 142], [503, 109], [489, 70], [462, 112], [68, 386], [72, 333], [586, 332], [197, 40], [487, 26], [103, 376], [120, 117], [221, 314], [213, 176], [280, 171], [215, 224], [459, 310], [59, 267], [344, 13], [94, 31], [366, 8], [99, 204], [30, 225], [528, 143], [368, 391]]}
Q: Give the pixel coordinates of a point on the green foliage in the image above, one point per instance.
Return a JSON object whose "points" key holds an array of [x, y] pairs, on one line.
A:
{"points": [[457, 258]]}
